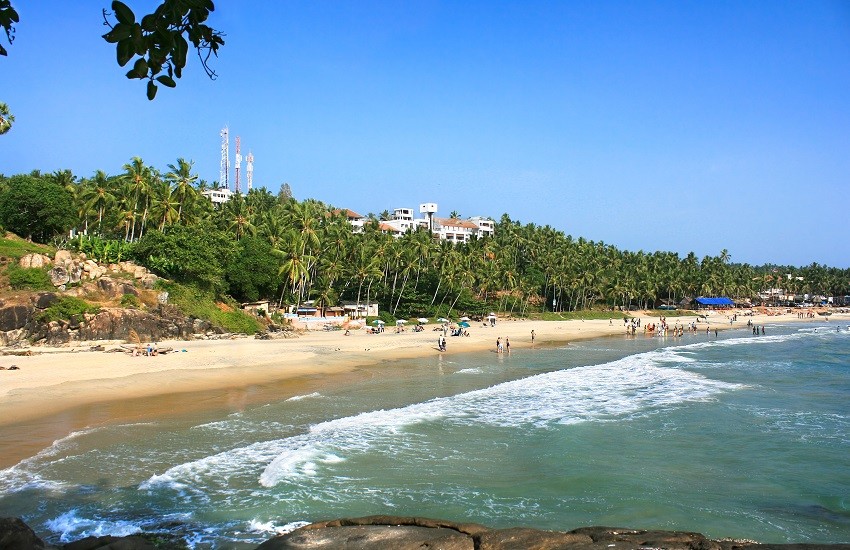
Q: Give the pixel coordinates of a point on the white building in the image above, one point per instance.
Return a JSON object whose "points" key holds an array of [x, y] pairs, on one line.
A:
{"points": [[218, 196], [445, 229]]}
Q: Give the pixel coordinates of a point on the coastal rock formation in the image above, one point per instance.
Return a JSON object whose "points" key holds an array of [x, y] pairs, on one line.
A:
{"points": [[410, 533], [18, 323], [17, 535], [378, 532]]}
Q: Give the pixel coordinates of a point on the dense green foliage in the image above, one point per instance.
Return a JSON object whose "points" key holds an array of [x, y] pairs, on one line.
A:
{"points": [[252, 272], [195, 254], [28, 278], [63, 308], [130, 300], [265, 246], [200, 304], [105, 251], [36, 207]]}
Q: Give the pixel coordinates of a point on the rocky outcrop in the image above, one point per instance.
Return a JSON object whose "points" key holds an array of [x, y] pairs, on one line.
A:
{"points": [[17, 535], [18, 324], [69, 269], [407, 533], [34, 260]]}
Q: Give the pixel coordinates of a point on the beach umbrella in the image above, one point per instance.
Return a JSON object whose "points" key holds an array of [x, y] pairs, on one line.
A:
{"points": [[423, 319], [491, 314], [378, 322], [443, 320], [400, 321], [463, 324], [464, 318]]}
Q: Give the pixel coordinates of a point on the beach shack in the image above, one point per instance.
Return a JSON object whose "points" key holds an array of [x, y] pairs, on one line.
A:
{"points": [[720, 302], [359, 310]]}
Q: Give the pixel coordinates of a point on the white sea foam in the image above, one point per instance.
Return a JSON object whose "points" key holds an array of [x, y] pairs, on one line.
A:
{"points": [[474, 370], [618, 390], [71, 526], [313, 395], [26, 474], [256, 526]]}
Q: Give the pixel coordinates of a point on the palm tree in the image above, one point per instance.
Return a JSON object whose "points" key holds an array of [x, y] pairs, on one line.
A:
{"points": [[6, 118], [139, 177], [164, 206], [237, 218], [181, 177], [96, 194]]}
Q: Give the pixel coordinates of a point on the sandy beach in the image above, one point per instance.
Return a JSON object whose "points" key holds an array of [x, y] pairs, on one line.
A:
{"points": [[36, 398]]}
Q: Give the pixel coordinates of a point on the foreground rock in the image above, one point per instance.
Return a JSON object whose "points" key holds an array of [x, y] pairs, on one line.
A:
{"points": [[411, 533]]}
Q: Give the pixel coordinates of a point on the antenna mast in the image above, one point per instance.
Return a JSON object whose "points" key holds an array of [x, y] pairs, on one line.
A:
{"points": [[249, 170], [238, 164], [224, 170]]}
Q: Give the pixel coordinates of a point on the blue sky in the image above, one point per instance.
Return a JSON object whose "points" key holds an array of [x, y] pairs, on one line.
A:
{"points": [[678, 126]]}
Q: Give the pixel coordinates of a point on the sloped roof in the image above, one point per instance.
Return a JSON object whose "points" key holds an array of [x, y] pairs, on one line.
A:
{"points": [[350, 214], [454, 222]]}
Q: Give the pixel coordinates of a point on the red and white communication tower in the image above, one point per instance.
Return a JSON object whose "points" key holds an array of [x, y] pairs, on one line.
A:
{"points": [[249, 169], [238, 162]]}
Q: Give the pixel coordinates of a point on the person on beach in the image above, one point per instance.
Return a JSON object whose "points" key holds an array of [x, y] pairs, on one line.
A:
{"points": [[499, 344], [507, 345], [532, 336]]}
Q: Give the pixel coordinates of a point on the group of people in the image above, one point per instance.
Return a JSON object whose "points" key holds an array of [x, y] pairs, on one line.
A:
{"points": [[756, 328], [503, 348]]}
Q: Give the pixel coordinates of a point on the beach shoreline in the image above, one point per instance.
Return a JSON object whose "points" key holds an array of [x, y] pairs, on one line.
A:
{"points": [[63, 390]]}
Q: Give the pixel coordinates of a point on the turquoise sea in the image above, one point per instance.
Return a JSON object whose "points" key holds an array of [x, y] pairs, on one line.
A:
{"points": [[736, 436]]}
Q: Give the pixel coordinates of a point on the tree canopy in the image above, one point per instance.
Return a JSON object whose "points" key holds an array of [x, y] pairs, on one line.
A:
{"points": [[36, 207], [262, 245]]}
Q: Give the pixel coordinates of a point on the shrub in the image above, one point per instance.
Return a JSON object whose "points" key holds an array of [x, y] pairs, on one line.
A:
{"points": [[130, 300], [30, 278], [194, 302], [64, 308]]}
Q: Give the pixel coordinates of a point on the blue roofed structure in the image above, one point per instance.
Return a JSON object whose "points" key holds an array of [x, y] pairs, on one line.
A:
{"points": [[720, 301]]}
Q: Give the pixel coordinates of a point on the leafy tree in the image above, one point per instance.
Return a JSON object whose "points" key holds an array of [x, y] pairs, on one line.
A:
{"points": [[195, 254], [253, 270], [159, 41], [36, 208], [8, 18]]}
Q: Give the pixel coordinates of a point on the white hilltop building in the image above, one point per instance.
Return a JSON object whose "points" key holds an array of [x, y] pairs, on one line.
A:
{"points": [[218, 196], [446, 229]]}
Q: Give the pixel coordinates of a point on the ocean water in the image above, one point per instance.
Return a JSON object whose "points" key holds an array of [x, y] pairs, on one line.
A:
{"points": [[733, 436]]}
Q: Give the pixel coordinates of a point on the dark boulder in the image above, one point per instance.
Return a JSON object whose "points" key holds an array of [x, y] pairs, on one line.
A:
{"points": [[17, 535], [116, 289], [14, 317], [45, 300], [132, 542]]}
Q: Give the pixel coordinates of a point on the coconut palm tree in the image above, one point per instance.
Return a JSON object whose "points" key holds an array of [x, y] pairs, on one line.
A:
{"points": [[6, 118], [139, 176], [97, 195], [164, 204], [181, 178]]}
